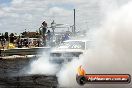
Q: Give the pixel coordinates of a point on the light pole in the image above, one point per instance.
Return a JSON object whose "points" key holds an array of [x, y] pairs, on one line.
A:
{"points": [[74, 31]]}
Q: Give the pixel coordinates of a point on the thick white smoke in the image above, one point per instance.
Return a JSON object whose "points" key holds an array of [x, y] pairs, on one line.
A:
{"points": [[112, 52], [43, 66]]}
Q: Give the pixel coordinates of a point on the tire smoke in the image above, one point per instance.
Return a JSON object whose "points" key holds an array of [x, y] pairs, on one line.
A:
{"points": [[112, 52], [43, 66]]}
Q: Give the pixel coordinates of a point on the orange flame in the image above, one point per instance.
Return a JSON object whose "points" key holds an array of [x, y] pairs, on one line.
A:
{"points": [[81, 71]]}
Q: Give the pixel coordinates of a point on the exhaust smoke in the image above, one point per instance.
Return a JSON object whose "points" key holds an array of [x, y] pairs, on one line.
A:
{"points": [[43, 66], [111, 54]]}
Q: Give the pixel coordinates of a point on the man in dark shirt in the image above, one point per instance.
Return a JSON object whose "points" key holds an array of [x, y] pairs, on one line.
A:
{"points": [[44, 29]]}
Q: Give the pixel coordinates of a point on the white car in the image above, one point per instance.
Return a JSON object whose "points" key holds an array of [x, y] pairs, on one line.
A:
{"points": [[68, 50]]}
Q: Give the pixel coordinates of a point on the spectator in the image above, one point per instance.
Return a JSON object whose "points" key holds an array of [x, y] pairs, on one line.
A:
{"points": [[38, 42], [44, 27], [2, 43], [48, 35]]}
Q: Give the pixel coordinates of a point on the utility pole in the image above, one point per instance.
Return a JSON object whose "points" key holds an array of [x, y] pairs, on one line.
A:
{"points": [[74, 31]]}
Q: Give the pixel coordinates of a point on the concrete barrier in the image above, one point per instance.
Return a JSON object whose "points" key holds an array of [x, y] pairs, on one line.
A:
{"points": [[24, 51]]}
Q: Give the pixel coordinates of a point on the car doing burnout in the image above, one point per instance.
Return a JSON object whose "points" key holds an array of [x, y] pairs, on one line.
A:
{"points": [[68, 50]]}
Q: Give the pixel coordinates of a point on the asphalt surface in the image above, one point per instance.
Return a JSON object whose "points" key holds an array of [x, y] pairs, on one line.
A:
{"points": [[10, 76]]}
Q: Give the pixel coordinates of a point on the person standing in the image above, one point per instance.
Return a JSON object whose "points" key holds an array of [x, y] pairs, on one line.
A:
{"points": [[48, 35], [2, 43], [44, 29]]}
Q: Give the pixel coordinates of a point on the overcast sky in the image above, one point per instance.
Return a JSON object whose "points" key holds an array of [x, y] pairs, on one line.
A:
{"points": [[17, 15]]}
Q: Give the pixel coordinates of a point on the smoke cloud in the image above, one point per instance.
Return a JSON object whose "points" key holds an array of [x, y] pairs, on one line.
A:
{"points": [[111, 54], [43, 66]]}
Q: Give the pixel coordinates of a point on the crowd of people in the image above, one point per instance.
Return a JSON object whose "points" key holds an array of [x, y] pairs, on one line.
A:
{"points": [[46, 38], [3, 42]]}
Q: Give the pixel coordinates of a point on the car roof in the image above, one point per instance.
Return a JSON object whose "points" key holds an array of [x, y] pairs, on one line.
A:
{"points": [[77, 40]]}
